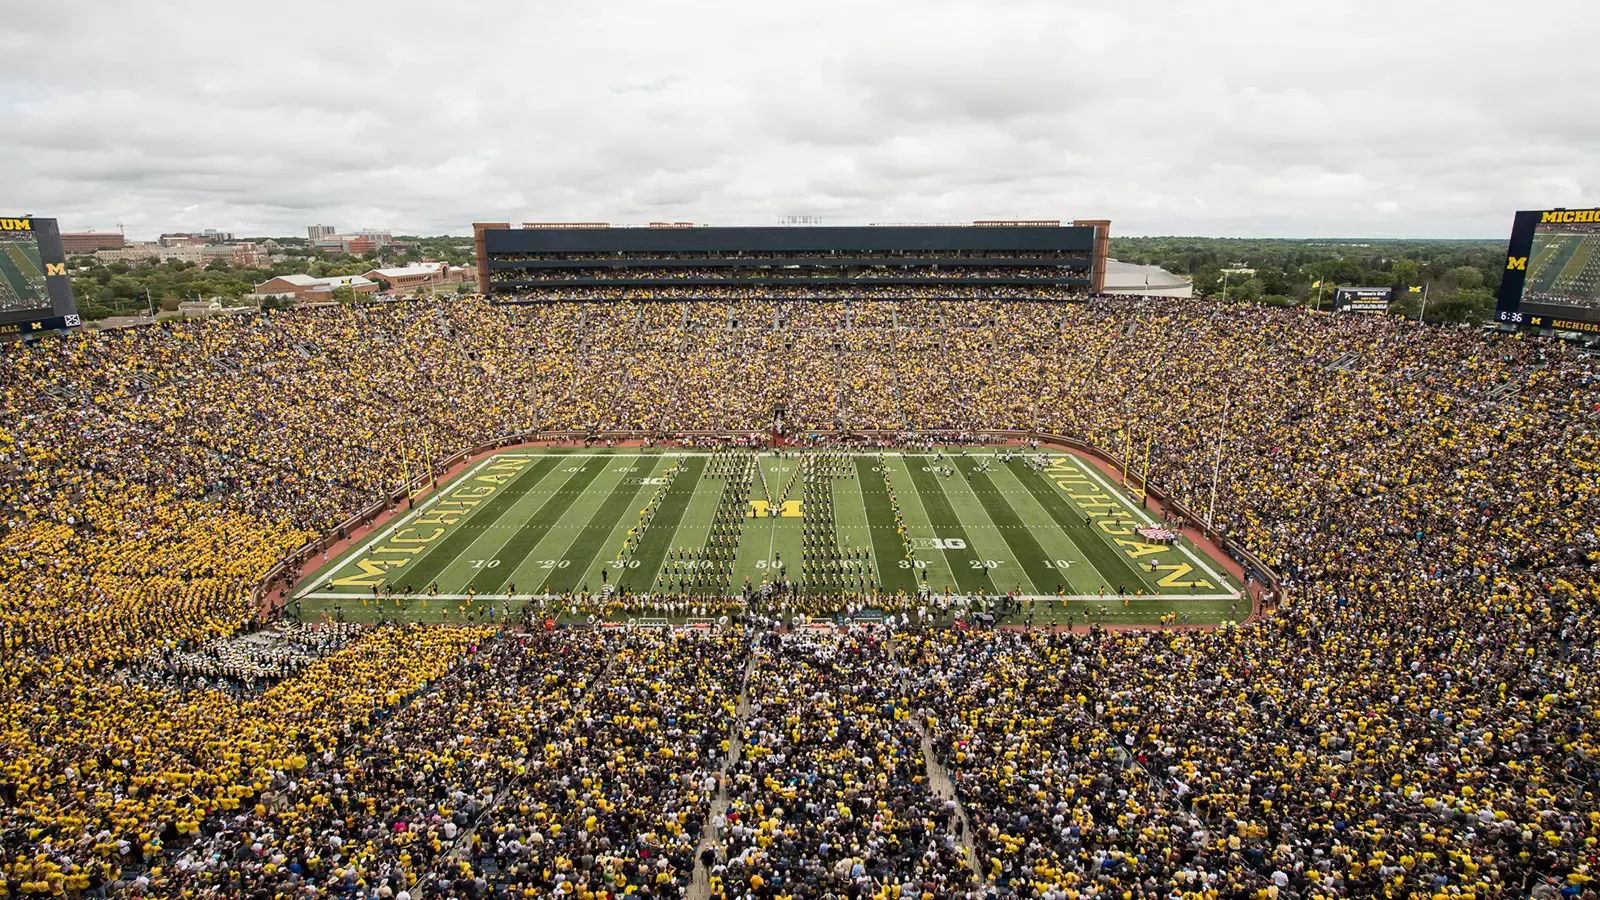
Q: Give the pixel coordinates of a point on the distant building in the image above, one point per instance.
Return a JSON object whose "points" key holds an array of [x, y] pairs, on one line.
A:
{"points": [[200, 307], [316, 232], [344, 243], [217, 237], [379, 236], [136, 252], [406, 279], [1147, 281], [199, 254], [306, 289], [90, 241], [183, 239], [249, 255]]}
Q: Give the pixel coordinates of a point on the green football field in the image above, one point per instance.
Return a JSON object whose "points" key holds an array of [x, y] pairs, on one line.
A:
{"points": [[531, 524], [1565, 264], [22, 283]]}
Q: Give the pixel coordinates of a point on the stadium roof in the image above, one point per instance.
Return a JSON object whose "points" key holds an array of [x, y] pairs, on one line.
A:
{"points": [[1131, 278], [407, 271], [303, 280]]}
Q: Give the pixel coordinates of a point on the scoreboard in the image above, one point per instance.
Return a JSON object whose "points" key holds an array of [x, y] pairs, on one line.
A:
{"points": [[1372, 301], [35, 289], [1552, 275]]}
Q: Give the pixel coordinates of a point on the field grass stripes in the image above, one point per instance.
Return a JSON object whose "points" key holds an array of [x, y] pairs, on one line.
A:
{"points": [[527, 538], [591, 541], [449, 548], [1024, 547], [657, 542], [887, 548], [972, 579]]}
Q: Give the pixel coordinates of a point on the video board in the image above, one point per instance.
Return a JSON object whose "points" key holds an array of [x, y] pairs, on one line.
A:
{"points": [[35, 290], [1372, 301], [1552, 277]]}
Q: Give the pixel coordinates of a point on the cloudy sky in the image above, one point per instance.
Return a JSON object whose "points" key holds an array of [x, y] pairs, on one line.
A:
{"points": [[1213, 117]]}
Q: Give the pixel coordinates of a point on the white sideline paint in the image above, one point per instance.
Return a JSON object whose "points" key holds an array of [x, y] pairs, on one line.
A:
{"points": [[311, 592], [460, 480], [1150, 520], [1038, 598]]}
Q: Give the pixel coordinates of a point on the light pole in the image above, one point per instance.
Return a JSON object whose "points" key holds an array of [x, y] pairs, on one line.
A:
{"points": [[1423, 311]]}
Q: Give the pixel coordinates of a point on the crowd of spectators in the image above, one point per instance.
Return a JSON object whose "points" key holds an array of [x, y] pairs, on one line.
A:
{"points": [[1418, 719], [526, 292], [796, 256], [861, 273], [250, 660], [831, 795]]}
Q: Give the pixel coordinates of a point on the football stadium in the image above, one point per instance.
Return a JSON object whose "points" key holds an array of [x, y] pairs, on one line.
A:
{"points": [[798, 563]]}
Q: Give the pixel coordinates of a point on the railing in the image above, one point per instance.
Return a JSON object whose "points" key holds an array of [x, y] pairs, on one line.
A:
{"points": [[1253, 562]]}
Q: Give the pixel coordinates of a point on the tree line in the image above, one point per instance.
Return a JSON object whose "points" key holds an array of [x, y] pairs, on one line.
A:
{"points": [[118, 288], [1462, 277]]}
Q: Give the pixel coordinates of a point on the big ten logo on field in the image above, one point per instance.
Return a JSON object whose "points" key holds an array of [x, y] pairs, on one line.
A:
{"points": [[16, 224], [789, 509]]}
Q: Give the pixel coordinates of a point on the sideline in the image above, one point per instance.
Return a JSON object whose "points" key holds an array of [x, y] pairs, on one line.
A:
{"points": [[272, 595], [336, 563], [1144, 514]]}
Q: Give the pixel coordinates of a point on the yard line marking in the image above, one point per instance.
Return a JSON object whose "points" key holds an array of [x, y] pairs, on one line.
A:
{"points": [[460, 480], [1140, 511], [1021, 573], [335, 595]]}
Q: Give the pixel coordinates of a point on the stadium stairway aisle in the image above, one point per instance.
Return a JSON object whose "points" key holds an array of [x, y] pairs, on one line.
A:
{"points": [[939, 779], [700, 887]]}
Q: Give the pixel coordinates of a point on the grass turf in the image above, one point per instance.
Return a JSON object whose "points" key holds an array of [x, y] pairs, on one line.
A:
{"points": [[532, 522]]}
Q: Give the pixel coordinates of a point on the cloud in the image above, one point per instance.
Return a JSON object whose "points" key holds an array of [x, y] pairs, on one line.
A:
{"points": [[1236, 117]]}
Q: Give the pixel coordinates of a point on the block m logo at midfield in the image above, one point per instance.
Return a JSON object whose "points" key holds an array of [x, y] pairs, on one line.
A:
{"points": [[788, 509]]}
